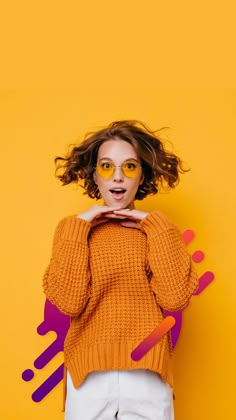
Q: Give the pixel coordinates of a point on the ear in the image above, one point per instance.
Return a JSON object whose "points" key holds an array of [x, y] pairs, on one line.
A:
{"points": [[142, 179], [95, 177]]}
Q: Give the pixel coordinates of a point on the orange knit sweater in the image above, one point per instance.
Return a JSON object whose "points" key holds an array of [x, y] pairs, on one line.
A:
{"points": [[113, 282]]}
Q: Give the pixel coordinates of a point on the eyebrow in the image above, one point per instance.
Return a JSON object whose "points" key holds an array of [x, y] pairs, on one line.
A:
{"points": [[107, 158]]}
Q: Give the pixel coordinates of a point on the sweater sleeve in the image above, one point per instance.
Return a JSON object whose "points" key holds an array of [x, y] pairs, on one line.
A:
{"points": [[66, 281], [173, 277]]}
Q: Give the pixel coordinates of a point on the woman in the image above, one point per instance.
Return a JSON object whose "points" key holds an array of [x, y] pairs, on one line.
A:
{"points": [[113, 270]]}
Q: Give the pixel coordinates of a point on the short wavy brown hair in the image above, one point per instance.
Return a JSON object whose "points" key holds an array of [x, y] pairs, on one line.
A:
{"points": [[160, 167]]}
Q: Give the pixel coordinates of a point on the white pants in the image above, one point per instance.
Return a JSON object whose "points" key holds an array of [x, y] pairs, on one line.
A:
{"points": [[120, 394]]}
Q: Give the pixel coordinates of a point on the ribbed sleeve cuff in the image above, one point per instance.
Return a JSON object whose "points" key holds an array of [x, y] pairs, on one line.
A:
{"points": [[155, 223], [74, 229]]}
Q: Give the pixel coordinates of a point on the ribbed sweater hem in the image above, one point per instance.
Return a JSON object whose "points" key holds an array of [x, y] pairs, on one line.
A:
{"points": [[117, 356]]}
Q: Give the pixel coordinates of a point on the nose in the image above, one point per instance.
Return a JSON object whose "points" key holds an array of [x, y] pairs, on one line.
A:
{"points": [[118, 174]]}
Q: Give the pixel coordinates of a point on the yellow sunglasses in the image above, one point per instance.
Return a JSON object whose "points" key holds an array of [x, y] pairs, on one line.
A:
{"points": [[130, 168]]}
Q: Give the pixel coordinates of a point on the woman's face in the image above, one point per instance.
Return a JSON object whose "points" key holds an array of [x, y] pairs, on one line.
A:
{"points": [[118, 151]]}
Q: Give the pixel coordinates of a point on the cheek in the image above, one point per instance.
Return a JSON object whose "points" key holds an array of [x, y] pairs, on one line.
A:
{"points": [[135, 186], [101, 185]]}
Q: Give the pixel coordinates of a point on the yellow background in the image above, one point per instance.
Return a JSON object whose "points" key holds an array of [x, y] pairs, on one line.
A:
{"points": [[37, 125], [68, 69]]}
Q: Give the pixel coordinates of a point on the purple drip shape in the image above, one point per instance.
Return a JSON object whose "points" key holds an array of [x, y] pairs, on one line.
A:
{"points": [[54, 320], [49, 384]]}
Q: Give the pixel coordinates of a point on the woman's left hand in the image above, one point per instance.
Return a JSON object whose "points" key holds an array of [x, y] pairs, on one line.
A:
{"points": [[133, 216]]}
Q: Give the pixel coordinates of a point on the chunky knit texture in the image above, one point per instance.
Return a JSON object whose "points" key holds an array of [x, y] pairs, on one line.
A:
{"points": [[113, 282]]}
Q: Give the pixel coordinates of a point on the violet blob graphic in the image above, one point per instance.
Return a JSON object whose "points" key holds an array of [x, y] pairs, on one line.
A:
{"points": [[55, 321]]}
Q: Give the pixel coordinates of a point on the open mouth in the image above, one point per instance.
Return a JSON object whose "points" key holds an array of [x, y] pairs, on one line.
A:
{"points": [[118, 193]]}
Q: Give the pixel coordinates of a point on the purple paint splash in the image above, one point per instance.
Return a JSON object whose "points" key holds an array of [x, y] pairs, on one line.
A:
{"points": [[55, 321]]}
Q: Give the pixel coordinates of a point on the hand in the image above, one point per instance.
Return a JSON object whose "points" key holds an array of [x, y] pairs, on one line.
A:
{"points": [[131, 217], [95, 215]]}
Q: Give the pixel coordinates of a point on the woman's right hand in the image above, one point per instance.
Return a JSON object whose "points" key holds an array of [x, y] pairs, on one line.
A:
{"points": [[95, 214]]}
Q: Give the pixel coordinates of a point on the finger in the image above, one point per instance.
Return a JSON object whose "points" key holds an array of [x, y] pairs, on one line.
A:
{"points": [[126, 216], [126, 212], [114, 216], [109, 209], [131, 214], [103, 212], [101, 220], [130, 224], [122, 210]]}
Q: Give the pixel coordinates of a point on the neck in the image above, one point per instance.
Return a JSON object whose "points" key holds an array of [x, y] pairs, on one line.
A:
{"points": [[131, 206]]}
